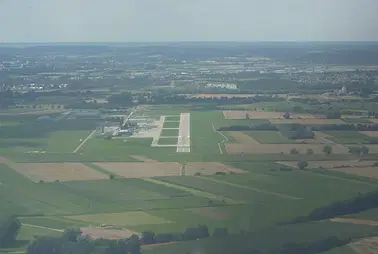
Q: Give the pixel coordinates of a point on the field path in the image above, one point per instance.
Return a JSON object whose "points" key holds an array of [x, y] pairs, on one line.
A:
{"points": [[36, 226], [195, 192], [251, 188], [356, 221], [85, 140], [224, 140]]}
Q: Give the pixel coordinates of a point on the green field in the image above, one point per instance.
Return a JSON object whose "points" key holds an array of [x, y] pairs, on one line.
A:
{"points": [[269, 137], [356, 120], [173, 118], [167, 141], [348, 137], [171, 124], [169, 132], [370, 214]]}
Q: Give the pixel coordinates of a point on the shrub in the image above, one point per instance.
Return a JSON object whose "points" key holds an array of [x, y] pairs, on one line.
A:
{"points": [[302, 165], [294, 151], [220, 173]]}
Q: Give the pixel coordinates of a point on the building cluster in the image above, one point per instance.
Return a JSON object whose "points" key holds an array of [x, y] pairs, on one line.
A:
{"points": [[222, 86]]}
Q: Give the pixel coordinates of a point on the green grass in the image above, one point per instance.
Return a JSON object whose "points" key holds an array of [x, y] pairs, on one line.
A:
{"points": [[172, 118], [169, 133], [167, 141], [171, 125], [356, 120], [348, 137], [269, 137], [7, 124], [69, 198]]}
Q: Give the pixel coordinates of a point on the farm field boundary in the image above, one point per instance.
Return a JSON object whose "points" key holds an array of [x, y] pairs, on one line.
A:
{"points": [[284, 196], [196, 192]]}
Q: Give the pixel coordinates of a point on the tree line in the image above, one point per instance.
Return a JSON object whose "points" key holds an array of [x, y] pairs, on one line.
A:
{"points": [[9, 229], [72, 241], [355, 205]]}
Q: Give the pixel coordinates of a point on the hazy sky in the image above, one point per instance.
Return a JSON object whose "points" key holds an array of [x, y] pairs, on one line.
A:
{"points": [[187, 20]]}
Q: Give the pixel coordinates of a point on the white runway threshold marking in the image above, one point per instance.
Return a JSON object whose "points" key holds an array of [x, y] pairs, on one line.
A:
{"points": [[183, 141]]}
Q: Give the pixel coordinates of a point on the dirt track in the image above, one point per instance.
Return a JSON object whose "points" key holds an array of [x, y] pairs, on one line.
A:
{"points": [[210, 168], [355, 221]]}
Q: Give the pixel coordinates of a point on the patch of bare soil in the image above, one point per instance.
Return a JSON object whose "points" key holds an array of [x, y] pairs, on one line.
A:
{"points": [[366, 246], [355, 221], [234, 115], [107, 233], [142, 169], [210, 168], [210, 212], [373, 134]]}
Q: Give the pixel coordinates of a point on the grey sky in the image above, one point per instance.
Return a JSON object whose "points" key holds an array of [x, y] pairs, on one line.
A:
{"points": [[187, 20]]}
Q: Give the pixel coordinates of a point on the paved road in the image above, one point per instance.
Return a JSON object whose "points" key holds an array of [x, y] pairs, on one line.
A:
{"points": [[183, 141], [85, 140]]}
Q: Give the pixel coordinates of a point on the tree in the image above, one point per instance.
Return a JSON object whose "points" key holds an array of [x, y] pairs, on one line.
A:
{"points": [[355, 150], [220, 232], [302, 165], [72, 234], [364, 150], [327, 149], [294, 151], [148, 237], [310, 151], [9, 231], [286, 115]]}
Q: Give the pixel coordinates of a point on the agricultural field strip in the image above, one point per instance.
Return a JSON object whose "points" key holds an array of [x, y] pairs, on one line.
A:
{"points": [[251, 188], [36, 226], [355, 221], [195, 192], [85, 140], [339, 178]]}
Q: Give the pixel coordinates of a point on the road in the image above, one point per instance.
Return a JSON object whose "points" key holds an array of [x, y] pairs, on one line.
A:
{"points": [[85, 140], [183, 141]]}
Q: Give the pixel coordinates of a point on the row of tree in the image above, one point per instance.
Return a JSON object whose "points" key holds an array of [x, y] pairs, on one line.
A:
{"points": [[350, 206], [346, 127], [9, 229], [73, 242], [296, 131]]}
